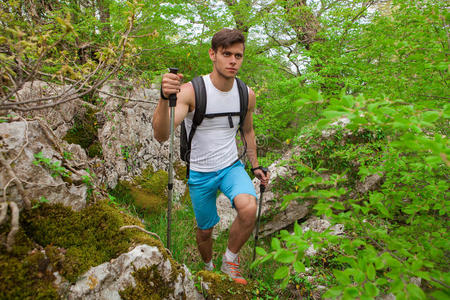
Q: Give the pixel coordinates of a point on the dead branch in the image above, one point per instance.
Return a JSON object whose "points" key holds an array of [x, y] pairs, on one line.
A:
{"points": [[11, 174], [76, 93], [3, 211], [14, 225], [33, 70]]}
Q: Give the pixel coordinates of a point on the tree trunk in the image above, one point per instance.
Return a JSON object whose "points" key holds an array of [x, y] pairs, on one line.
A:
{"points": [[103, 10]]}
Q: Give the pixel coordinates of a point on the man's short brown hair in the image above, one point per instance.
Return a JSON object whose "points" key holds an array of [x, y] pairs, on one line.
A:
{"points": [[227, 37]]}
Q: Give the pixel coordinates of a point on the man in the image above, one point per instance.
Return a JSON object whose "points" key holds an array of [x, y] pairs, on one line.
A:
{"points": [[214, 162]]}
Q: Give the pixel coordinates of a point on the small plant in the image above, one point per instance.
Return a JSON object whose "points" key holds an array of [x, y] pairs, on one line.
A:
{"points": [[67, 155], [40, 201], [125, 150], [55, 167]]}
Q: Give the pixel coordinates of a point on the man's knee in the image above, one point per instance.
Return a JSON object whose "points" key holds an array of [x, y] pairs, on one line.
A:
{"points": [[204, 234], [246, 207]]}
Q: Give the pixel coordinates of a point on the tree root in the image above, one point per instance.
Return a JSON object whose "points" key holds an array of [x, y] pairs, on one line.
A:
{"points": [[19, 184], [14, 225], [3, 211], [143, 230]]}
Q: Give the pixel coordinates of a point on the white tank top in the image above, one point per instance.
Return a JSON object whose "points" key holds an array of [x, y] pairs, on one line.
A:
{"points": [[214, 145]]}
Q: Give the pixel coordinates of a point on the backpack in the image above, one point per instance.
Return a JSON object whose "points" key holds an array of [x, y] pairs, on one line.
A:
{"points": [[199, 115]]}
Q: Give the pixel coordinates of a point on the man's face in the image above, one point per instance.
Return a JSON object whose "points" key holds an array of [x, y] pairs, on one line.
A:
{"points": [[228, 61]]}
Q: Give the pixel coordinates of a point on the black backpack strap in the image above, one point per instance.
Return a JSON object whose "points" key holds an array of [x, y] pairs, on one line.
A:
{"points": [[243, 97], [200, 108]]}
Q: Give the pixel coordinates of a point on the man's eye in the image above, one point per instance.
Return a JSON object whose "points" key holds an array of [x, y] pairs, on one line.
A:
{"points": [[226, 54], [238, 56]]}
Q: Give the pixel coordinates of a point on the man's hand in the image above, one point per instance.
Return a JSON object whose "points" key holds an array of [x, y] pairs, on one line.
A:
{"points": [[170, 84], [263, 177]]}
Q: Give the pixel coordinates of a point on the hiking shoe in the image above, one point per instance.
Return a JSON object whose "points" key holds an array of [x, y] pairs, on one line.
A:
{"points": [[208, 268], [231, 268]]}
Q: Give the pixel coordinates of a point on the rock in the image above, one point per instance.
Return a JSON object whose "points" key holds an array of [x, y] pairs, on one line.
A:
{"points": [[127, 135], [60, 117], [20, 141], [106, 280], [370, 183]]}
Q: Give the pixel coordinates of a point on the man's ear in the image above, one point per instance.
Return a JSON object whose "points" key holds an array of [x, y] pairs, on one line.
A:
{"points": [[212, 54]]}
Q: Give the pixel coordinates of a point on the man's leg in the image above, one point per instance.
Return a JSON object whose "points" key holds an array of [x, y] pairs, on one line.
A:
{"points": [[243, 225], [240, 231], [204, 243]]}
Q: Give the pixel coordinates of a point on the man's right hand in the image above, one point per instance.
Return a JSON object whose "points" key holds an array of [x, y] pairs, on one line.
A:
{"points": [[170, 84]]}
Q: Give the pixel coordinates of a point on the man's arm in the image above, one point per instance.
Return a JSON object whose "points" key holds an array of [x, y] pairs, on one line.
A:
{"points": [[249, 135], [171, 84]]}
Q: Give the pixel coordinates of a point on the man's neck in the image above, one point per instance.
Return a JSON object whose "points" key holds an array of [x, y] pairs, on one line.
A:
{"points": [[220, 82]]}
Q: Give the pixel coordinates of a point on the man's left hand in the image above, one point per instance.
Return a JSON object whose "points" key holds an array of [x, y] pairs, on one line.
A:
{"points": [[263, 177]]}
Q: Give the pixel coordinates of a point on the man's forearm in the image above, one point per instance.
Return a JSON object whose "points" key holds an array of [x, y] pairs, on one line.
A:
{"points": [[251, 148], [161, 122]]}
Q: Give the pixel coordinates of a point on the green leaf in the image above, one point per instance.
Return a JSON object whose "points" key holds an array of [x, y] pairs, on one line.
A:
{"points": [[298, 229], [341, 277], [333, 293], [284, 256], [396, 286], [415, 291], [281, 272], [371, 272], [430, 116], [351, 293], [276, 244], [260, 251], [371, 289], [299, 267], [440, 295], [284, 283], [348, 101]]}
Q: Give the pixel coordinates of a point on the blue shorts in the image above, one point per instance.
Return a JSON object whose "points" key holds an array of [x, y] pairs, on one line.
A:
{"points": [[203, 187]]}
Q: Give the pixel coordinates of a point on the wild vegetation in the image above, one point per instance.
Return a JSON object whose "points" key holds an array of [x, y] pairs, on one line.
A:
{"points": [[379, 66]]}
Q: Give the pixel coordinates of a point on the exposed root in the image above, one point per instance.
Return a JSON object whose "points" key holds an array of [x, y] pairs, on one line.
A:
{"points": [[3, 211], [14, 225], [19, 184], [141, 229]]}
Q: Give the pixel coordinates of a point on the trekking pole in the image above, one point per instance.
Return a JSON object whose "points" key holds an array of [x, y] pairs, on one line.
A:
{"points": [[172, 104], [262, 189]]}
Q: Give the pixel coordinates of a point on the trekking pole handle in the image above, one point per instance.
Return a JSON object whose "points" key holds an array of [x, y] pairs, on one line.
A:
{"points": [[262, 188], [173, 97]]}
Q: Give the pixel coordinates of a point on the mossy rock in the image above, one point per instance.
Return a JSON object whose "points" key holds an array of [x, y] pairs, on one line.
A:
{"points": [[223, 287], [147, 201], [84, 132], [153, 182], [150, 285], [23, 272], [78, 240]]}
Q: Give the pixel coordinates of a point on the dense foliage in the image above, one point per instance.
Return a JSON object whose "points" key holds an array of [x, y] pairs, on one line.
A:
{"points": [[380, 65]]}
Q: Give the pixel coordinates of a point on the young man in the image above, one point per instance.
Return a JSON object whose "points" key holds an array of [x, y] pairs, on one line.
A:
{"points": [[214, 163]]}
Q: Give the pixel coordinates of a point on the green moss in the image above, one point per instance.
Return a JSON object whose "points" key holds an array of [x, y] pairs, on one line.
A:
{"points": [[84, 132], [149, 285], [153, 182], [95, 149], [148, 191], [180, 170], [149, 202], [23, 272], [78, 240], [223, 287]]}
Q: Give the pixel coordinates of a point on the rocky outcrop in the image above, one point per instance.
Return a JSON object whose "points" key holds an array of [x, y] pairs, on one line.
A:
{"points": [[106, 280], [50, 177], [126, 134]]}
